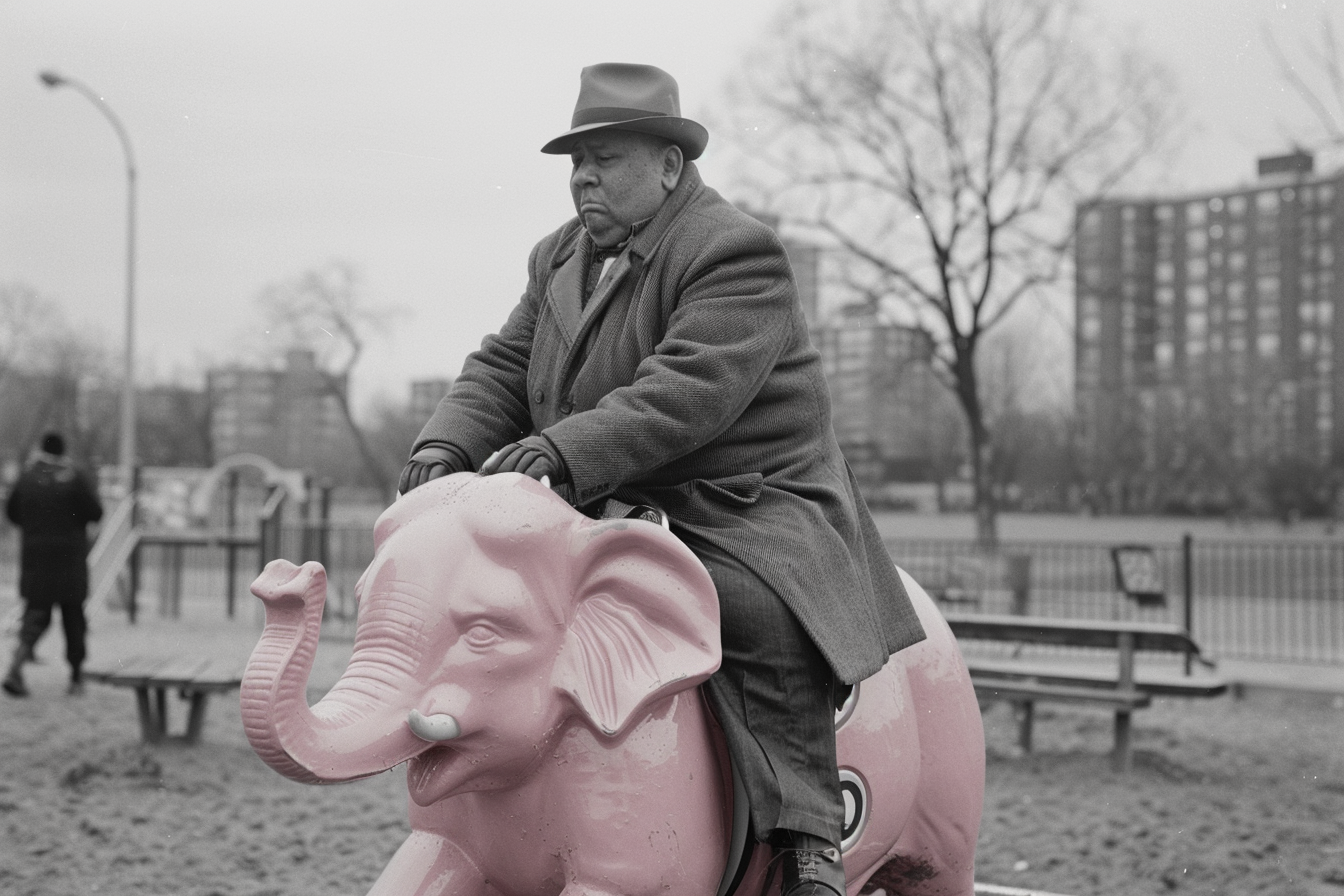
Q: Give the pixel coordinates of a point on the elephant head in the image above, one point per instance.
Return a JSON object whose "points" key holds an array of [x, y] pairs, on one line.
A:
{"points": [[492, 618]]}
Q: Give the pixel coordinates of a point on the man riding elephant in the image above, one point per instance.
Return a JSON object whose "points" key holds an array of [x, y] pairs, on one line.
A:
{"points": [[659, 355]]}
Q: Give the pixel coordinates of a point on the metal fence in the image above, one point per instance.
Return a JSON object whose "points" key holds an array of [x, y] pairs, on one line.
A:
{"points": [[1271, 601], [1279, 601], [204, 575]]}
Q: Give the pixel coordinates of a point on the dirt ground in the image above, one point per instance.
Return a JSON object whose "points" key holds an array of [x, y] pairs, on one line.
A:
{"points": [[1227, 797]]}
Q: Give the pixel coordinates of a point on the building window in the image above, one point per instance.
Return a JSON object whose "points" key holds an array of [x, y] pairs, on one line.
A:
{"points": [[1267, 260], [1267, 201], [1215, 204], [1196, 213]]}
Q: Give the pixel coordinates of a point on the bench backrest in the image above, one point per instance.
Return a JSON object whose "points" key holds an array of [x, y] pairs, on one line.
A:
{"points": [[1154, 636]]}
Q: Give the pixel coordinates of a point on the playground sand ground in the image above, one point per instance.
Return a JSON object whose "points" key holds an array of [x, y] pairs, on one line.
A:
{"points": [[1226, 797]]}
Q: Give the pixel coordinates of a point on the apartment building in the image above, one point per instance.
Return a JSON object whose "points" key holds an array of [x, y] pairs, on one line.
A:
{"points": [[290, 415], [1209, 332]]}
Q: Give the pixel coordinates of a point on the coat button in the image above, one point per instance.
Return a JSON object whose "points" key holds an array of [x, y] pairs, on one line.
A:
{"points": [[566, 407], [539, 396]]}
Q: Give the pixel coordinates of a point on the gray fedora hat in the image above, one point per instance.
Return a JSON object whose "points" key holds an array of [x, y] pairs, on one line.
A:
{"points": [[626, 97]]}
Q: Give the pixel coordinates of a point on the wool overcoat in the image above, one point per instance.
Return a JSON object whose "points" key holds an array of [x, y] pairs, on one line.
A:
{"points": [[688, 381], [53, 503]]}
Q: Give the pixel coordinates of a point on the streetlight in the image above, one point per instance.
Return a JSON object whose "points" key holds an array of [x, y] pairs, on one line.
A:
{"points": [[126, 453]]}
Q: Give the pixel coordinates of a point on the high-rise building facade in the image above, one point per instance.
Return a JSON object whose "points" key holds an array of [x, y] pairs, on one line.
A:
{"points": [[1209, 333], [291, 415], [891, 415]]}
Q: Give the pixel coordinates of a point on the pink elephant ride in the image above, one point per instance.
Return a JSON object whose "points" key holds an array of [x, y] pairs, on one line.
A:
{"points": [[537, 669]]}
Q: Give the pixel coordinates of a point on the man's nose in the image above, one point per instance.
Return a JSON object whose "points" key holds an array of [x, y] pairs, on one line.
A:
{"points": [[584, 175]]}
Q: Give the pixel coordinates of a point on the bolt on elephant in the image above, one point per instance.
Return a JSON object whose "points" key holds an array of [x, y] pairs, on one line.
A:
{"points": [[537, 670]]}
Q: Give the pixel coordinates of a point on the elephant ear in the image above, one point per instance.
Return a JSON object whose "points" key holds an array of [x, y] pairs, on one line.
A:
{"points": [[646, 623]]}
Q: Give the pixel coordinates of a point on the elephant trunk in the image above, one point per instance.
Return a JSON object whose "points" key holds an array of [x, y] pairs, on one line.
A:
{"points": [[358, 729]]}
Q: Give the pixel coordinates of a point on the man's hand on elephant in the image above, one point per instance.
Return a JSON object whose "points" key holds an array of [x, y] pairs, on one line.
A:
{"points": [[432, 461], [534, 456]]}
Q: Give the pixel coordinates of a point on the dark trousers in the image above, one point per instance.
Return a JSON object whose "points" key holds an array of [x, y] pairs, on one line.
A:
{"points": [[37, 618], [774, 696]]}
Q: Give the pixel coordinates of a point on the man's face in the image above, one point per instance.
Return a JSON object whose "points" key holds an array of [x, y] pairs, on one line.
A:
{"points": [[620, 178]]}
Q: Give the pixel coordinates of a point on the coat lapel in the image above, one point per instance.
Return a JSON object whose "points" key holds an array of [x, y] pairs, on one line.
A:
{"points": [[565, 290], [566, 287], [607, 287]]}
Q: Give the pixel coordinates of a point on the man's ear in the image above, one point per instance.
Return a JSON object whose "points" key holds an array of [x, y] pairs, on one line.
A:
{"points": [[672, 165]]}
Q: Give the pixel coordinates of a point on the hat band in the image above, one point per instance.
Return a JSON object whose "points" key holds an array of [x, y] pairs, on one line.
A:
{"points": [[600, 114]]}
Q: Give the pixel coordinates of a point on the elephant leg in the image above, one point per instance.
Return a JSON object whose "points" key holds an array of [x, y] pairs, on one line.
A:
{"points": [[428, 865]]}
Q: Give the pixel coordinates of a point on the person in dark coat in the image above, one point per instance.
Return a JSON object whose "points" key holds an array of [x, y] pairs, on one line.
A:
{"points": [[660, 356], [52, 503]]}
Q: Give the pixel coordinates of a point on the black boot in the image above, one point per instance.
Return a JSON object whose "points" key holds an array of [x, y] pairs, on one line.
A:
{"points": [[812, 866], [13, 683]]}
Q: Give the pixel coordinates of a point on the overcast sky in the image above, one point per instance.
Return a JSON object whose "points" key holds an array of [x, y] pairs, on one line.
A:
{"points": [[403, 137]]}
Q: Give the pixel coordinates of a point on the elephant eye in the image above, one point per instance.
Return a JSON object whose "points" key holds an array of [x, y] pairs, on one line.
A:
{"points": [[482, 635]]}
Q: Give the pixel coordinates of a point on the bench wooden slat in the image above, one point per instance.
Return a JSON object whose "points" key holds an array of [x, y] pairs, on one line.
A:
{"points": [[1006, 689], [188, 673], [129, 672], [1154, 636], [1158, 685]]}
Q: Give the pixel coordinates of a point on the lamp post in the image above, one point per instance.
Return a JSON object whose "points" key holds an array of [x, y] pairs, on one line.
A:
{"points": [[126, 451]]}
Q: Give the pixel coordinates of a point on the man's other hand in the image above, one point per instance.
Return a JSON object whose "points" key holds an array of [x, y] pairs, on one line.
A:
{"points": [[431, 462], [534, 456]]}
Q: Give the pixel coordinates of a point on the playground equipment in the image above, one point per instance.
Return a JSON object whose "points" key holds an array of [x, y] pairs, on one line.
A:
{"points": [[172, 512], [537, 669]]}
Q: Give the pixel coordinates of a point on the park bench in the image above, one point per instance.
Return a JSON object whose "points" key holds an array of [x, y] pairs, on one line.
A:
{"points": [[1024, 682], [194, 679]]}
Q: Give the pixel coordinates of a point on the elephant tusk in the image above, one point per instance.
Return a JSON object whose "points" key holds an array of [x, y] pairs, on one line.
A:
{"points": [[439, 726]]}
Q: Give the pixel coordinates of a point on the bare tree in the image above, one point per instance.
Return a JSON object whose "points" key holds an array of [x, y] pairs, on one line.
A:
{"points": [[28, 323], [1318, 80], [48, 368], [940, 146], [325, 311]]}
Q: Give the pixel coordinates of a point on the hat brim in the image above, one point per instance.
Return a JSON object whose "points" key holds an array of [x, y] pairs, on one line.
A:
{"points": [[689, 135]]}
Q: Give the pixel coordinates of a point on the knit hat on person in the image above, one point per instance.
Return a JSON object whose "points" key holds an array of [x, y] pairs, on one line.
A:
{"points": [[53, 444]]}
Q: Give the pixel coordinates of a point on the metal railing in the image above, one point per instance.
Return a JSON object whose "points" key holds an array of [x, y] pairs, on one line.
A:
{"points": [[1272, 601]]}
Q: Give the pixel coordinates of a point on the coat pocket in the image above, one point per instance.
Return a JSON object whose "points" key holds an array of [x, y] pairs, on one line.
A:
{"points": [[742, 490]]}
